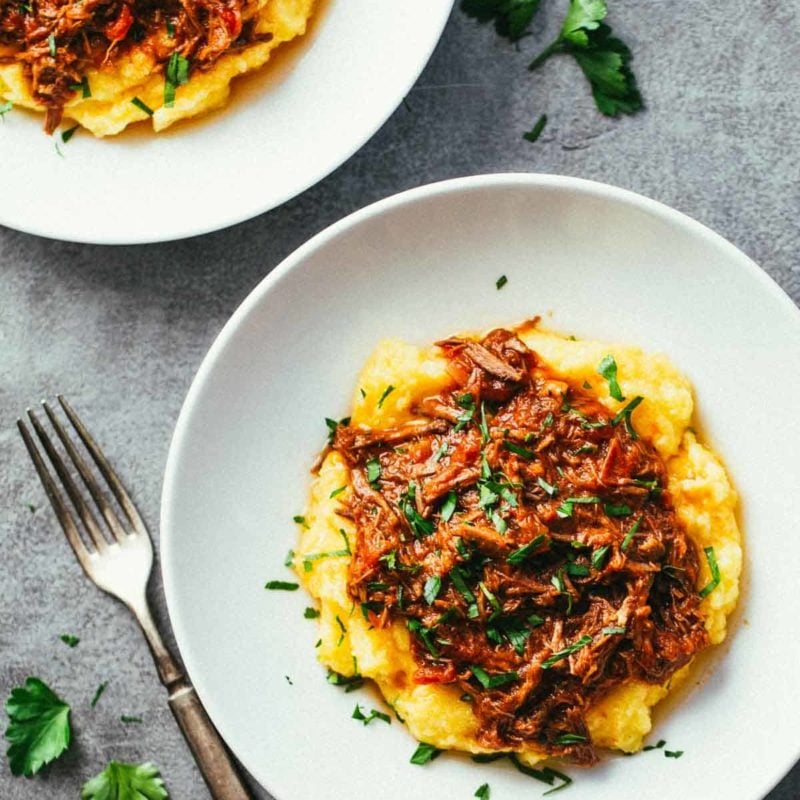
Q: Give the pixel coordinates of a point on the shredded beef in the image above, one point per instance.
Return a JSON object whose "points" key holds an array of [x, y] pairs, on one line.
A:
{"points": [[560, 569], [57, 41]]}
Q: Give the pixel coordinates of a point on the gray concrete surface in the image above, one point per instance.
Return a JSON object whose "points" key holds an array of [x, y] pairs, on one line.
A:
{"points": [[121, 331]]}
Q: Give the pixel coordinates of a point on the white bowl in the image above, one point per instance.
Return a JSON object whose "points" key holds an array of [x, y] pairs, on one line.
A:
{"points": [[421, 265], [286, 129]]}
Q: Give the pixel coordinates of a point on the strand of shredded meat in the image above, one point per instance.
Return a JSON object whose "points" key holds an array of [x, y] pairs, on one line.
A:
{"points": [[58, 41], [526, 538]]}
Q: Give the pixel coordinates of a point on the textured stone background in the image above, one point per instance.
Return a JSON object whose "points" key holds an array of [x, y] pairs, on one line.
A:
{"points": [[121, 331]]}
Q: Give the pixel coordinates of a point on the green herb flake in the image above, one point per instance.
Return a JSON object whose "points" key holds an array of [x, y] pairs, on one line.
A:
{"points": [[626, 542], [348, 682], [419, 525], [286, 586], [570, 738], [621, 510], [501, 282], [300, 520], [548, 487], [613, 630], [547, 775], [608, 369], [511, 17], [548, 421], [716, 577], [536, 131], [432, 587], [657, 746], [449, 506], [367, 718], [483, 792], [673, 753], [51, 44], [373, 470], [337, 492], [386, 392], [69, 640], [459, 581], [311, 613], [82, 87], [176, 74], [599, 557], [38, 730], [425, 753], [127, 720], [516, 557], [523, 452], [142, 106], [625, 414], [170, 29], [98, 693], [492, 681], [560, 655]]}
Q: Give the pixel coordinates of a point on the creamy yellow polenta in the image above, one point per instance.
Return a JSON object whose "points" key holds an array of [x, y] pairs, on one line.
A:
{"points": [[702, 493], [109, 110]]}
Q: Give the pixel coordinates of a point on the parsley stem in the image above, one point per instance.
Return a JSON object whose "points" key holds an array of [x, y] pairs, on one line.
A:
{"points": [[555, 47]]}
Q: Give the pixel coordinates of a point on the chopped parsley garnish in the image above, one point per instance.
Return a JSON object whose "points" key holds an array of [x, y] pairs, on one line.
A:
{"points": [[170, 29], [432, 588], [608, 369], [467, 402], [501, 282], [349, 682], [419, 525], [286, 586], [449, 506], [98, 692], [621, 510], [613, 630], [425, 753], [373, 470], [516, 557], [715, 573], [577, 570], [548, 487], [548, 420], [127, 720], [142, 106], [425, 634], [673, 753], [311, 613], [570, 738], [82, 87], [604, 59], [568, 506], [4, 109], [536, 131], [510, 17], [289, 560], [519, 450], [626, 542], [69, 639], [547, 775], [560, 655], [483, 792], [177, 74], [38, 730], [51, 44], [386, 392], [126, 781], [442, 451], [625, 414], [300, 520], [69, 133], [599, 557], [337, 492], [459, 581], [492, 681], [367, 718], [656, 746]]}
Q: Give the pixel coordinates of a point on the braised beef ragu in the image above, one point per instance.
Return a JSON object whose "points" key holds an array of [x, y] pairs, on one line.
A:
{"points": [[57, 41], [525, 537]]}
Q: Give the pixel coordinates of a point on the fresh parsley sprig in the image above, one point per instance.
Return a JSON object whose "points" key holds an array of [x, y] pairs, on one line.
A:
{"points": [[511, 17], [126, 782]]}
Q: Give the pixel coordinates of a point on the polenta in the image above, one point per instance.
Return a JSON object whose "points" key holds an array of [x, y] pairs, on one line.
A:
{"points": [[111, 63], [521, 541]]}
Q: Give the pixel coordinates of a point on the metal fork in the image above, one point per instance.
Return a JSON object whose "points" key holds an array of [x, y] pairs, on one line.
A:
{"points": [[119, 562]]}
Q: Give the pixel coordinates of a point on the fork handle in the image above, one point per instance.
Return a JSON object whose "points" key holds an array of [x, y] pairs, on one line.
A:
{"points": [[208, 749]]}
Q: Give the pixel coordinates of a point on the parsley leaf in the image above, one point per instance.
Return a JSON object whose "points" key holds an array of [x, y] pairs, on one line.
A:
{"points": [[5, 108], [69, 640], [483, 792], [126, 782], [38, 729], [425, 753], [566, 652], [177, 74], [536, 131], [367, 718], [286, 586], [501, 282], [608, 369], [432, 587], [716, 577], [511, 17], [603, 59], [386, 392]]}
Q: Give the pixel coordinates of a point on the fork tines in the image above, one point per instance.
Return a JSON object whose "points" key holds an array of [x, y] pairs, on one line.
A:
{"points": [[93, 530]]}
